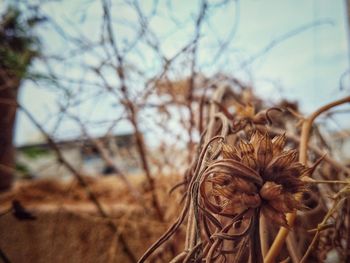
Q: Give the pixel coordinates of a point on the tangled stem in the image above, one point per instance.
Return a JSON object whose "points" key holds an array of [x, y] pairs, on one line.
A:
{"points": [[305, 135]]}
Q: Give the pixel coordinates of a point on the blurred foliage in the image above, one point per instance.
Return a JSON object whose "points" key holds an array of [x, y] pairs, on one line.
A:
{"points": [[35, 152], [22, 168], [18, 44]]}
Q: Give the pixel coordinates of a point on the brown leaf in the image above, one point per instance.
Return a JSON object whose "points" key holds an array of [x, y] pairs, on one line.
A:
{"points": [[291, 201], [295, 170]]}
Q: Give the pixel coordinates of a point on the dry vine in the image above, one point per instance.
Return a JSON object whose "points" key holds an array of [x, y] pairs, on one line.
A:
{"points": [[240, 176]]}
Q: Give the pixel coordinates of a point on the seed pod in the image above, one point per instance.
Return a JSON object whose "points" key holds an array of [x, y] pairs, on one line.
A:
{"points": [[255, 174], [252, 201], [243, 186]]}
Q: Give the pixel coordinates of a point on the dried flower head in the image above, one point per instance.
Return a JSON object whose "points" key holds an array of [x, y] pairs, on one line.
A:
{"points": [[246, 116], [258, 174]]}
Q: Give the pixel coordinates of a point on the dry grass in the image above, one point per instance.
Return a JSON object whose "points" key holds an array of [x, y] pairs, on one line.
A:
{"points": [[68, 227]]}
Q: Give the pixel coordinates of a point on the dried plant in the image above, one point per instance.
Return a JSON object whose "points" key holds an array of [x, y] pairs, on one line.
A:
{"points": [[250, 176], [256, 174], [234, 183]]}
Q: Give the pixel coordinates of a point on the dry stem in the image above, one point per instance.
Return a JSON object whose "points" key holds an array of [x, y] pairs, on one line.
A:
{"points": [[305, 134]]}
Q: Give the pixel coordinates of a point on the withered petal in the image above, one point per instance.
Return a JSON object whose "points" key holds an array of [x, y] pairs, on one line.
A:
{"points": [[242, 185], [235, 169], [229, 152], [255, 138], [278, 143], [284, 203], [270, 190], [264, 152], [279, 164], [309, 171], [291, 171], [232, 208], [271, 214], [220, 179], [250, 200], [249, 161], [224, 192], [291, 184], [246, 148], [291, 201], [298, 166]]}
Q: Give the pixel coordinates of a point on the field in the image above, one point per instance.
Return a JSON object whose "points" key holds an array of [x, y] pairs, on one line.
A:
{"points": [[68, 228]]}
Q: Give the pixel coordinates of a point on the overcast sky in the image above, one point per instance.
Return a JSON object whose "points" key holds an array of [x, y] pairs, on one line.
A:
{"points": [[306, 66]]}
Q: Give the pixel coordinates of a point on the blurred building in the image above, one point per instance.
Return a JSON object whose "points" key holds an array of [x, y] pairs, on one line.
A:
{"points": [[39, 160]]}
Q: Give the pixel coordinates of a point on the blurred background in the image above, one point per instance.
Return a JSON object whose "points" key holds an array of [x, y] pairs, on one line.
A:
{"points": [[282, 49], [108, 95]]}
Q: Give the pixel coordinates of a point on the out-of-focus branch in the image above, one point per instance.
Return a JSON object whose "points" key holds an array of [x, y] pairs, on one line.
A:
{"points": [[111, 163], [80, 178], [191, 84], [132, 111], [337, 165]]}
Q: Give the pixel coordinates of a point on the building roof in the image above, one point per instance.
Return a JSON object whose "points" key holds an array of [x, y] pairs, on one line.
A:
{"points": [[122, 140]]}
